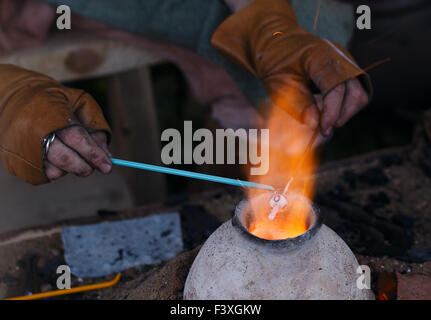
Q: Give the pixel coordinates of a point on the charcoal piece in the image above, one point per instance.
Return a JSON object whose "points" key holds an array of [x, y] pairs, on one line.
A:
{"points": [[48, 272], [339, 192], [393, 233], [426, 168], [28, 267], [373, 177], [369, 233], [409, 239], [350, 178], [380, 198], [427, 152], [391, 160], [197, 225], [366, 233], [379, 250], [330, 216], [376, 201], [176, 199], [344, 209], [371, 207], [218, 195], [417, 256], [403, 220]]}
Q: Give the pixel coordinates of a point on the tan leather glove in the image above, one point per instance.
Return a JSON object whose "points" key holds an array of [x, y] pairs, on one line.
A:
{"points": [[265, 39], [31, 107]]}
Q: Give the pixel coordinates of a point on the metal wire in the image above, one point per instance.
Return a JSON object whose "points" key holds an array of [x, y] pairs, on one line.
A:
{"points": [[57, 293]]}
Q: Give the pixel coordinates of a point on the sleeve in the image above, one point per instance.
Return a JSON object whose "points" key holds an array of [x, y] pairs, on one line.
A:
{"points": [[175, 21]]}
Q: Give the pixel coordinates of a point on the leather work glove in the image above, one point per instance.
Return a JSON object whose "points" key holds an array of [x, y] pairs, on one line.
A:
{"points": [[32, 106], [264, 38]]}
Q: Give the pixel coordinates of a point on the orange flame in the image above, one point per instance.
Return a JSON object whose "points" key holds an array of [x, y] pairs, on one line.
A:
{"points": [[288, 141]]}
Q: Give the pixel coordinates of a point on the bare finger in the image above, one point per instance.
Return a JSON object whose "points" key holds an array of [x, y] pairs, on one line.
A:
{"points": [[355, 100], [102, 141], [78, 139], [332, 104], [319, 101], [52, 172], [67, 160]]}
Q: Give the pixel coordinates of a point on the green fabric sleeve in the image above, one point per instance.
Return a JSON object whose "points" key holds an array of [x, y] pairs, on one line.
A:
{"points": [[181, 22]]}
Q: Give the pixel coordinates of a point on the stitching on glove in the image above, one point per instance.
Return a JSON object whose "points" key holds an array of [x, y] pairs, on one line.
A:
{"points": [[20, 158]]}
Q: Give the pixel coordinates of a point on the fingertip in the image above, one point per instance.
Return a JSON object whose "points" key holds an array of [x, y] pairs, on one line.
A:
{"points": [[339, 123], [101, 140], [328, 131], [106, 167], [326, 126], [53, 173]]}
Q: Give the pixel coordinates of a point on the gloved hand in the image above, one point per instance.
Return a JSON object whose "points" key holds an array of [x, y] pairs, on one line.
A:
{"points": [[265, 39], [32, 106]]}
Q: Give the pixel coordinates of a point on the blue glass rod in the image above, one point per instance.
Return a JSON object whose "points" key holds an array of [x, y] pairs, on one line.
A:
{"points": [[190, 174]]}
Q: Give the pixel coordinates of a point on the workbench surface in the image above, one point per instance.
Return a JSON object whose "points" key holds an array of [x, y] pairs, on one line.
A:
{"points": [[379, 203]]}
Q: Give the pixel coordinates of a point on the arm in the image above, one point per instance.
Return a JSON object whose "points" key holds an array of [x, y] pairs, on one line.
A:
{"points": [[178, 22], [301, 59]]}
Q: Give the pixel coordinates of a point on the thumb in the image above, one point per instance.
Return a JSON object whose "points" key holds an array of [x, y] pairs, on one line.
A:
{"points": [[311, 116], [90, 114]]}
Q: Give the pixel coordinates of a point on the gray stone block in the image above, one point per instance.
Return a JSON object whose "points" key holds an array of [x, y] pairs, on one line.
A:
{"points": [[107, 248]]}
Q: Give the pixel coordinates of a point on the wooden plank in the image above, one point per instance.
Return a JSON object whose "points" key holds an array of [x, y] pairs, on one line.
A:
{"points": [[73, 56], [136, 134]]}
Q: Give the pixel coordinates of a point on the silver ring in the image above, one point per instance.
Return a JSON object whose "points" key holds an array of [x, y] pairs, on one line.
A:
{"points": [[47, 141]]}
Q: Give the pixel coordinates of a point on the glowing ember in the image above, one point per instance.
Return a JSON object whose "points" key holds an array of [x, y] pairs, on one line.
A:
{"points": [[292, 220]]}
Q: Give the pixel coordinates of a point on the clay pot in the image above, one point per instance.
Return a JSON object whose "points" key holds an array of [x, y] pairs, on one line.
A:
{"points": [[234, 264]]}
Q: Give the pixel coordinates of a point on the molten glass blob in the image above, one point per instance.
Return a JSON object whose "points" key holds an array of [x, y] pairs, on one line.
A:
{"points": [[292, 220]]}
